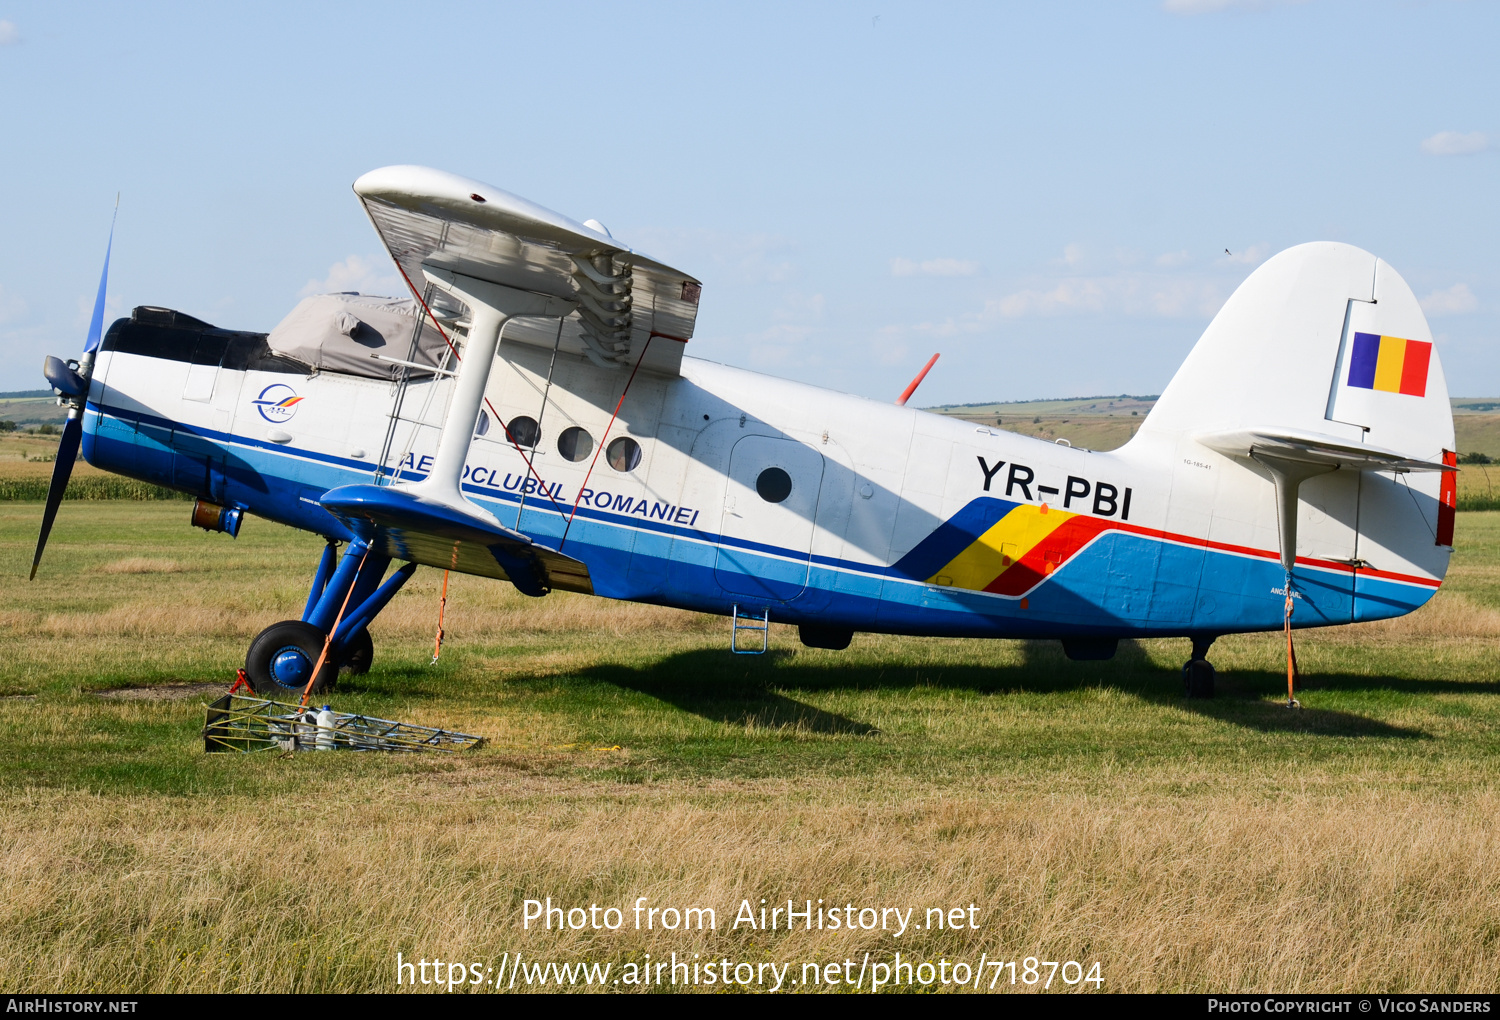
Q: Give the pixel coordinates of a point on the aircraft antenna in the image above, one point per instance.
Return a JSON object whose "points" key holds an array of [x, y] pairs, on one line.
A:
{"points": [[906, 393]]}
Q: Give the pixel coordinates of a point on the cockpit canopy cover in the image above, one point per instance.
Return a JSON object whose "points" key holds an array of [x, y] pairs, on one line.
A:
{"points": [[344, 333]]}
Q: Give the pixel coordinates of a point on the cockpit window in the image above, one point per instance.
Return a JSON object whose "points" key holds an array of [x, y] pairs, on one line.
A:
{"points": [[172, 336]]}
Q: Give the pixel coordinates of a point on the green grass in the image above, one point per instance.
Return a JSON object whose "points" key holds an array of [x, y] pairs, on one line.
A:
{"points": [[631, 754], [919, 707]]}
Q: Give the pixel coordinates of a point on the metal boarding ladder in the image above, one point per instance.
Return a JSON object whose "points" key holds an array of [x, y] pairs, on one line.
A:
{"points": [[382, 469], [737, 627]]}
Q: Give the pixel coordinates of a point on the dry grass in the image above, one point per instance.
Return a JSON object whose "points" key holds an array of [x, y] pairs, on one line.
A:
{"points": [[1088, 810], [1236, 891], [141, 565], [165, 692], [1449, 616]]}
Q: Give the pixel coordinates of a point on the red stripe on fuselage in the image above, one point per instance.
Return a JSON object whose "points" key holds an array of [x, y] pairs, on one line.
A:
{"points": [[1063, 543]]}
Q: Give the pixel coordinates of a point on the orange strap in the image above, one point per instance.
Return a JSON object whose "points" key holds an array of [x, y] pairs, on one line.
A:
{"points": [[437, 646], [1291, 654], [328, 641]]}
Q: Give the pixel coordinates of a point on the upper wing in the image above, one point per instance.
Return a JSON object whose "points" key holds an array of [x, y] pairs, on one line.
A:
{"points": [[1315, 448], [624, 298]]}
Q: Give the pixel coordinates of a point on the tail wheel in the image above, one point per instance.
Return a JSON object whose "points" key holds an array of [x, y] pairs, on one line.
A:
{"points": [[359, 654], [281, 660], [1198, 678]]}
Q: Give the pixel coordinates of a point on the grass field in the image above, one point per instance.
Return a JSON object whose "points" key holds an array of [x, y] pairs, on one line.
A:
{"points": [[1087, 810], [1109, 422]]}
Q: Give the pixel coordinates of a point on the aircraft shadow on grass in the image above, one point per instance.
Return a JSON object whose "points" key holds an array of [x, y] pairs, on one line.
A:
{"points": [[760, 691], [743, 693]]}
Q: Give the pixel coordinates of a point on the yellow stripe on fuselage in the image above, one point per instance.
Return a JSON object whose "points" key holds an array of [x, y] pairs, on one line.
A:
{"points": [[983, 561], [1390, 363]]}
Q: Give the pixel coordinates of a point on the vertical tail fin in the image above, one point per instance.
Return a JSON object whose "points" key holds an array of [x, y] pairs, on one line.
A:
{"points": [[1327, 343]]}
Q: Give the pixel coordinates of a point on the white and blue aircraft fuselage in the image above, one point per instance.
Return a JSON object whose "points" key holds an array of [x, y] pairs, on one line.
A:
{"points": [[1303, 449]]}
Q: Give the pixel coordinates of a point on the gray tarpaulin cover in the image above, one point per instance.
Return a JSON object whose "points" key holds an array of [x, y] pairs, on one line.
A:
{"points": [[340, 332]]}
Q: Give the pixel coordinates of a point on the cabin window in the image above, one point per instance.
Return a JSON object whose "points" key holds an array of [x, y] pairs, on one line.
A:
{"points": [[482, 426], [773, 484], [624, 454], [575, 444], [524, 432]]}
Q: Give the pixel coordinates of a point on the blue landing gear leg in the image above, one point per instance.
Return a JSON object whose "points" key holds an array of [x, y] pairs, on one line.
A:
{"points": [[1198, 672], [346, 590]]}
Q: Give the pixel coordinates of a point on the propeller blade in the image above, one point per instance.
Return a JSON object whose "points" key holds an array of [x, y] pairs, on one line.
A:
{"points": [[96, 324], [62, 469], [73, 387]]}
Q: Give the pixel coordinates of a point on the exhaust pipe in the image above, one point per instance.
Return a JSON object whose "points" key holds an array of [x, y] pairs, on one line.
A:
{"points": [[213, 517]]}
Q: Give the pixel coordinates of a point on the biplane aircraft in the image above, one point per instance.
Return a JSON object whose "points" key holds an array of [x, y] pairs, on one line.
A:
{"points": [[528, 413]]}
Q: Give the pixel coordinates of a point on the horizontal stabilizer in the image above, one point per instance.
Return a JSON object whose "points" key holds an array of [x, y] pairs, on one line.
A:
{"points": [[1314, 448], [405, 526]]}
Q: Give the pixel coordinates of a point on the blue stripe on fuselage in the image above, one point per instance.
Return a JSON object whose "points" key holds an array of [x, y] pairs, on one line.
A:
{"points": [[1099, 591]]}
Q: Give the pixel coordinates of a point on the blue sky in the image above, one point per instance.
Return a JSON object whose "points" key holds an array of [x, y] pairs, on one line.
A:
{"points": [[1042, 192]]}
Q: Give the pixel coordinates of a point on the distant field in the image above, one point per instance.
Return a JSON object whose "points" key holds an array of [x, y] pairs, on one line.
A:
{"points": [[1107, 423], [1088, 811], [38, 409], [26, 470]]}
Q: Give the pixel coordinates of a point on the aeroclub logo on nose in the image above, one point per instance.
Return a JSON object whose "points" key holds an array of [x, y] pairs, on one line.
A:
{"points": [[277, 403]]}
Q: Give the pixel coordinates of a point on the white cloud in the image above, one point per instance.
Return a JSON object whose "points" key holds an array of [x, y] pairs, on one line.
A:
{"points": [[782, 344], [9, 33], [1073, 254], [1456, 300], [1067, 296], [1134, 294], [1173, 259], [933, 267], [749, 258], [1190, 7], [361, 273], [1455, 143]]}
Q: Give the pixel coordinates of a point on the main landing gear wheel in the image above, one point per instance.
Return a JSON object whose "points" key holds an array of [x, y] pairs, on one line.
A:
{"points": [[281, 660], [1198, 678], [359, 654]]}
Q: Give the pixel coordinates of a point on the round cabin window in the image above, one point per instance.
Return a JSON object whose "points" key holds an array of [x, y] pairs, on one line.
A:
{"points": [[575, 444], [624, 454], [773, 484], [524, 432]]}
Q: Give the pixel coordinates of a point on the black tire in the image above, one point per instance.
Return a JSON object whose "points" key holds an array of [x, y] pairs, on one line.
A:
{"points": [[1198, 678], [833, 638], [358, 656], [281, 659]]}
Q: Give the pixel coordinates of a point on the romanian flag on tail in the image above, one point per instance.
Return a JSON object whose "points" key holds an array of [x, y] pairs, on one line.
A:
{"points": [[1389, 363]]}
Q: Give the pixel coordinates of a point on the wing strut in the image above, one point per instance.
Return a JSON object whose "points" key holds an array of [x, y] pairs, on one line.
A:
{"points": [[459, 358]]}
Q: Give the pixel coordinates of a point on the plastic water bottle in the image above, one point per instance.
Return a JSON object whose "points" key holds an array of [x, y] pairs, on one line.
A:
{"points": [[325, 728], [306, 730]]}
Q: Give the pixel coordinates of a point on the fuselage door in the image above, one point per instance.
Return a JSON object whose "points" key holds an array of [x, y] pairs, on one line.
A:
{"points": [[770, 505]]}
